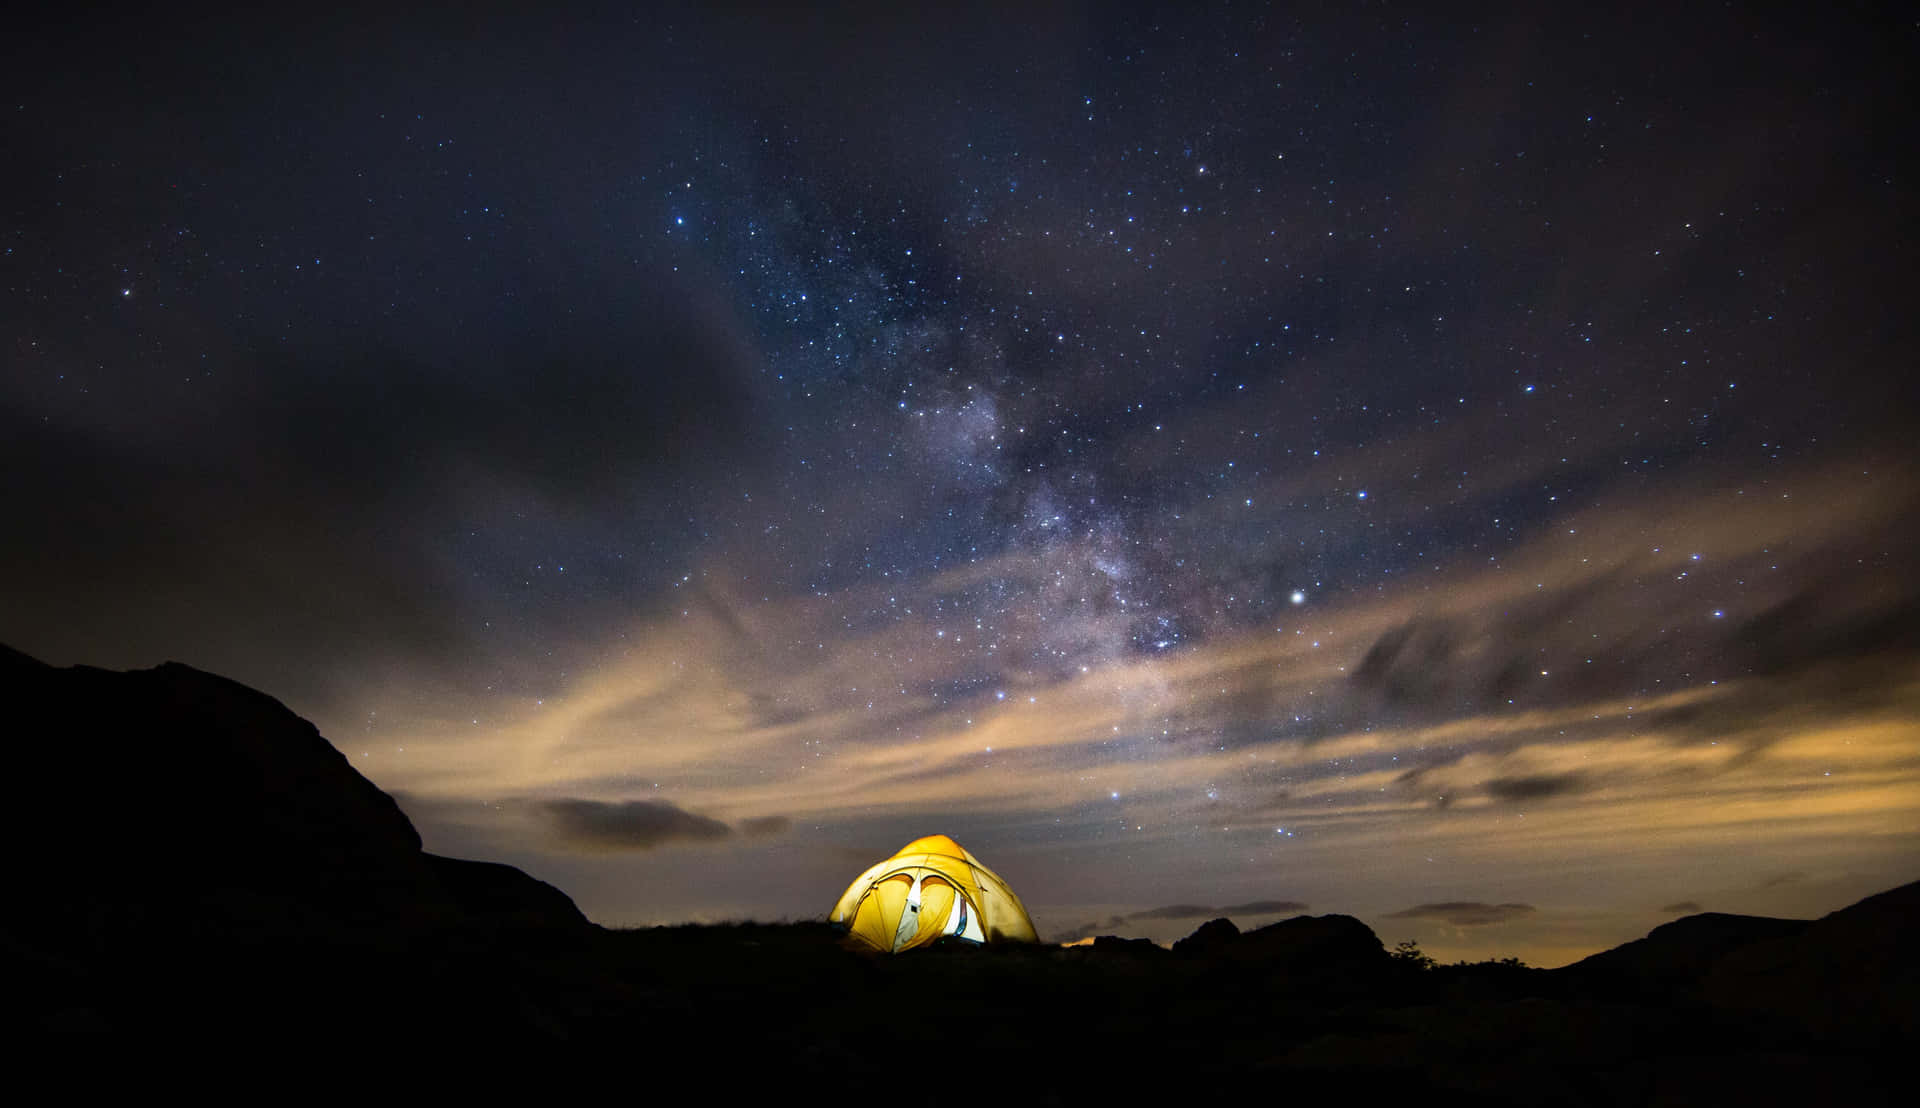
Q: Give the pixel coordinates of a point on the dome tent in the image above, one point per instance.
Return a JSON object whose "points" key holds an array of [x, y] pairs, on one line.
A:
{"points": [[931, 887]]}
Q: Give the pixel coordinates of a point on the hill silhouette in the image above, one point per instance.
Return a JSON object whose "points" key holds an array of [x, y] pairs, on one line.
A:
{"points": [[195, 863]]}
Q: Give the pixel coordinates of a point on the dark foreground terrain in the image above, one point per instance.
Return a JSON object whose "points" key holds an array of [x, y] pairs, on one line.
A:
{"points": [[193, 865]]}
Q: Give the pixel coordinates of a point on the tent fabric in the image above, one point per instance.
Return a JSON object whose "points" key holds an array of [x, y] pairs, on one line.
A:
{"points": [[930, 888]]}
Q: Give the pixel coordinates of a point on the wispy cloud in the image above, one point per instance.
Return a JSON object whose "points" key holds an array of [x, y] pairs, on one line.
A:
{"points": [[1201, 911], [632, 825], [1465, 913], [1647, 671]]}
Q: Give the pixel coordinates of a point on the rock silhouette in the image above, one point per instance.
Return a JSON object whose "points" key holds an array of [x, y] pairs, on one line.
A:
{"points": [[174, 798], [1677, 953], [196, 864], [1850, 975], [1213, 935]]}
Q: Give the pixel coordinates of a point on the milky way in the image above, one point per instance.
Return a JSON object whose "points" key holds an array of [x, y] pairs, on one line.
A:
{"points": [[1450, 472]]}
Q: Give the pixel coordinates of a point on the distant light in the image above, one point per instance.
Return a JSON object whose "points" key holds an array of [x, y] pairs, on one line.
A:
{"points": [[1363, 494], [1116, 796], [1298, 597], [1718, 614]]}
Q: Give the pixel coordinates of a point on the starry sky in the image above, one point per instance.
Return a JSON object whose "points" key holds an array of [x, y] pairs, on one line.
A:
{"points": [[1454, 470]]}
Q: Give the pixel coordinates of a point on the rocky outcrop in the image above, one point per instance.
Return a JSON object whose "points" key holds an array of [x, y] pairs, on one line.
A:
{"points": [[1848, 976], [1312, 941], [1676, 956], [171, 801], [1211, 937]]}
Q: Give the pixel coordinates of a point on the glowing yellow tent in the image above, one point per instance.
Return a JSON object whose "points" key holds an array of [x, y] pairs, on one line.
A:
{"points": [[932, 887]]}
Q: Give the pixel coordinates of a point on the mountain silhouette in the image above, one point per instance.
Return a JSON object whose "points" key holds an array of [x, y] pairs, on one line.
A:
{"points": [[169, 797], [1849, 975], [1678, 955], [194, 863]]}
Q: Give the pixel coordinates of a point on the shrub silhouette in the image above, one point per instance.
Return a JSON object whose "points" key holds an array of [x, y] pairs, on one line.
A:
{"points": [[1409, 955]]}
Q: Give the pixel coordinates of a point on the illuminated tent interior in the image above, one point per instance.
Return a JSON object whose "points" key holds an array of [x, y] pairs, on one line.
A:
{"points": [[931, 887]]}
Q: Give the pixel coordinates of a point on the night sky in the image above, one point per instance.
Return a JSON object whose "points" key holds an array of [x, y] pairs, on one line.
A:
{"points": [[1455, 471]]}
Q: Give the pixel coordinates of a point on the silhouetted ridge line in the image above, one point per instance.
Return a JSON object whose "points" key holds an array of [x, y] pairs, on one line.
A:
{"points": [[199, 866], [173, 799]]}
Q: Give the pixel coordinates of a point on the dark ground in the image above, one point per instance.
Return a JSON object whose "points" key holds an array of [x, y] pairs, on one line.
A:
{"points": [[196, 865]]}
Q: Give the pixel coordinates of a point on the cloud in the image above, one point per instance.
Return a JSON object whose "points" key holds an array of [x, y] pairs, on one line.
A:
{"points": [[764, 826], [1832, 621], [1202, 911], [1465, 913], [752, 701], [1084, 931], [1536, 786], [1682, 908], [1264, 908], [1181, 912], [251, 499], [1176, 911], [1093, 928], [632, 825]]}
